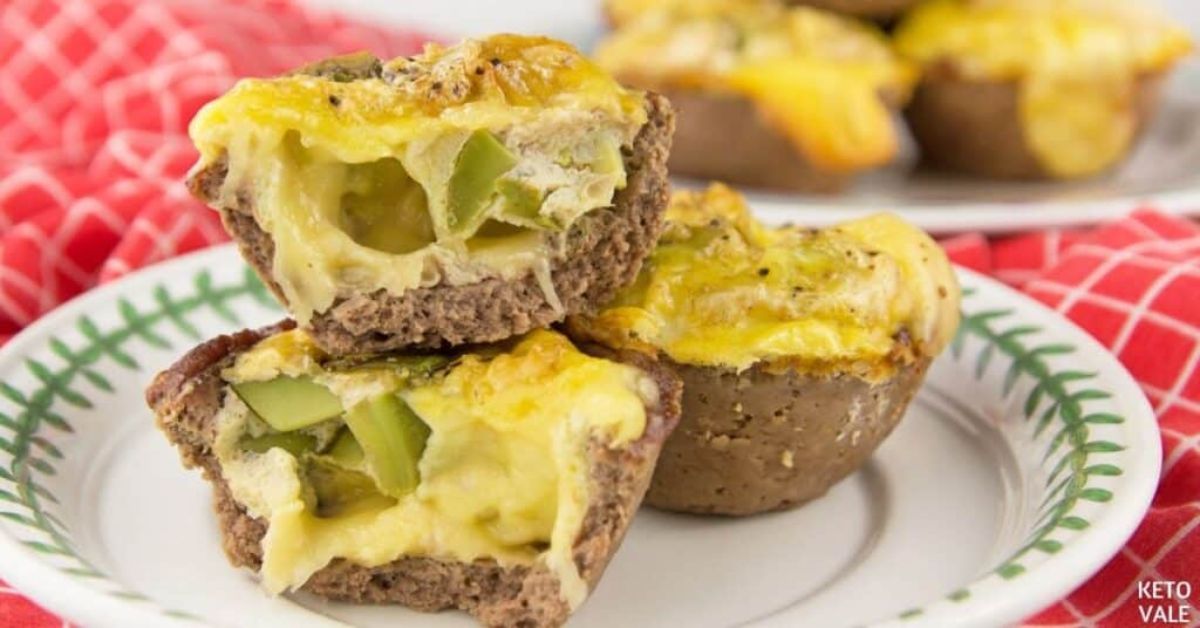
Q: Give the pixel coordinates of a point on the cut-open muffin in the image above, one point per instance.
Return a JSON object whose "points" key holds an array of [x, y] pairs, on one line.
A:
{"points": [[1035, 89], [767, 95], [463, 195], [799, 349], [498, 480]]}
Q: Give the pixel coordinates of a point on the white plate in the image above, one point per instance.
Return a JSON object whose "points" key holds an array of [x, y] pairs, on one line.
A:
{"points": [[991, 500], [1164, 171]]}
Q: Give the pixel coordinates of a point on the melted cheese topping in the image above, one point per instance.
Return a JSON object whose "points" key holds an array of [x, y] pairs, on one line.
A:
{"points": [[723, 290], [1077, 64], [504, 474], [821, 79], [302, 147]]}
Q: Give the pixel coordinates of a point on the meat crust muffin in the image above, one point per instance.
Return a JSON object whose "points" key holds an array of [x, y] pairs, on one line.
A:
{"points": [[770, 96], [799, 349], [463, 195], [1035, 89], [499, 480]]}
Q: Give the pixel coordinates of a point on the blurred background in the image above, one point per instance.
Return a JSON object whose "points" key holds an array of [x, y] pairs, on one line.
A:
{"points": [[1165, 166], [574, 20]]}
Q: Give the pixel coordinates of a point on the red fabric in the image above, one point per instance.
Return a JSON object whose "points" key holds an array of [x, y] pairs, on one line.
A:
{"points": [[1135, 285], [95, 96]]}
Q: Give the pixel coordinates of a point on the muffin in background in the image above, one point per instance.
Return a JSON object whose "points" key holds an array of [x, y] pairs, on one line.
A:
{"points": [[1035, 89], [790, 98]]}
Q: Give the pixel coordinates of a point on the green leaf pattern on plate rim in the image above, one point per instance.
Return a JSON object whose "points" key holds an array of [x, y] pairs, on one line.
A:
{"points": [[27, 414]]}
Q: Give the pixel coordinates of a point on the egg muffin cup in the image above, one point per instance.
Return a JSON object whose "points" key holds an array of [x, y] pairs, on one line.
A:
{"points": [[784, 98], [1054, 90], [438, 200], [975, 128], [302, 505], [799, 350]]}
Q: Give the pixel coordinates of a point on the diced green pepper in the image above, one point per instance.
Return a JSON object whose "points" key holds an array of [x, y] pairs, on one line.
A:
{"points": [[289, 403], [482, 160], [346, 451], [522, 202], [392, 438], [294, 443], [342, 491]]}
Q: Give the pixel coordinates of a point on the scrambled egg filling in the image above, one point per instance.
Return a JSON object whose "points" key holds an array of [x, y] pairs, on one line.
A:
{"points": [[1077, 64], [484, 456], [822, 80], [456, 165], [723, 290]]}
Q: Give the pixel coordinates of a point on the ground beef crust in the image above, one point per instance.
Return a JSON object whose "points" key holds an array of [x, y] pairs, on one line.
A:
{"points": [[763, 440], [603, 252], [187, 397]]}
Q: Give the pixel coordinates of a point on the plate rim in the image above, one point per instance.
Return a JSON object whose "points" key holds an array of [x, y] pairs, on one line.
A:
{"points": [[1079, 561], [21, 568], [39, 580]]}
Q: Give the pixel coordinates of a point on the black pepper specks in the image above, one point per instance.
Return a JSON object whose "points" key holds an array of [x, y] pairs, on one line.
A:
{"points": [[763, 272], [334, 100]]}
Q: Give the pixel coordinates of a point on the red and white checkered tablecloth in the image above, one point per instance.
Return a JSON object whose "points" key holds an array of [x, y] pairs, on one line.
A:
{"points": [[1135, 285], [95, 96]]}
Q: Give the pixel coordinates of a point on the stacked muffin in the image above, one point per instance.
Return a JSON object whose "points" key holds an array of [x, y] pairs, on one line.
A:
{"points": [[416, 435]]}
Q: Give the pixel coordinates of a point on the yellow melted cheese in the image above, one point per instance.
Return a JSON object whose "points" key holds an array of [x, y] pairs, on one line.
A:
{"points": [[723, 290], [820, 79], [297, 144], [504, 474], [1076, 63], [622, 12]]}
